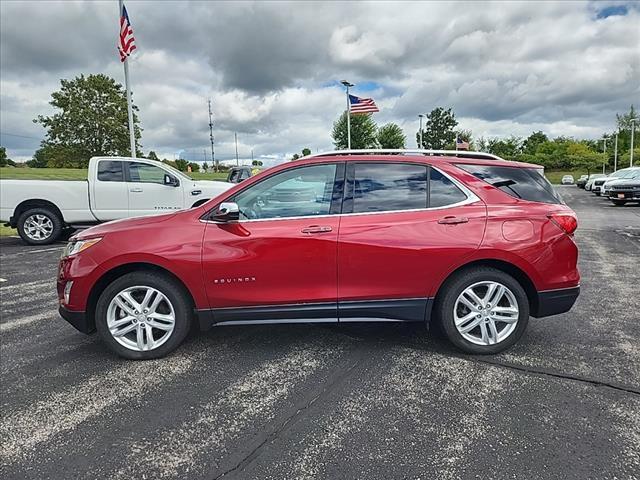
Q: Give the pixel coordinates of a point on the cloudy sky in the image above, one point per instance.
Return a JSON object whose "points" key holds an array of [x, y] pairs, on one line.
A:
{"points": [[272, 69]]}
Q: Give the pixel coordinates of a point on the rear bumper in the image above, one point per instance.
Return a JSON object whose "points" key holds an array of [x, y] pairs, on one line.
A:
{"points": [[77, 319], [554, 302]]}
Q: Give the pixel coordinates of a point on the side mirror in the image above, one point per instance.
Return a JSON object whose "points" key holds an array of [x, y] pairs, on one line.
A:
{"points": [[171, 181], [227, 212]]}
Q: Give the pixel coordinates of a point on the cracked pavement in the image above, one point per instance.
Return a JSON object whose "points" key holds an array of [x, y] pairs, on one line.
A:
{"points": [[333, 401]]}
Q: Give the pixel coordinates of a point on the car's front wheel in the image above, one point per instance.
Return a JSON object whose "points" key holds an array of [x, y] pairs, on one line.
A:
{"points": [[483, 310], [143, 315]]}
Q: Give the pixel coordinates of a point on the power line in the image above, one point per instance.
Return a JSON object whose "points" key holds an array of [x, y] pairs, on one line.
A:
{"points": [[20, 136]]}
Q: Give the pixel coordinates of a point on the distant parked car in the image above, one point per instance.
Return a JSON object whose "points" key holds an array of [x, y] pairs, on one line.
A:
{"points": [[592, 178], [581, 182], [567, 180], [624, 191], [623, 174]]}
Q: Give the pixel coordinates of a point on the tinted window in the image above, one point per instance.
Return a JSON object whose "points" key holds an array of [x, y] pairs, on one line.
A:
{"points": [[110, 171], [442, 191], [142, 172], [382, 187], [525, 183], [298, 192]]}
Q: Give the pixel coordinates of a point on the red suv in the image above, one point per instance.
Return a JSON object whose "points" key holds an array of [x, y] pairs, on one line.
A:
{"points": [[467, 240]]}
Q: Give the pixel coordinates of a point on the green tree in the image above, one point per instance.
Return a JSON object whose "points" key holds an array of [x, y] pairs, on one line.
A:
{"points": [[205, 166], [195, 167], [4, 160], [39, 159], [439, 129], [391, 136], [507, 148], [181, 164], [152, 156], [92, 119], [257, 163], [531, 143], [306, 151], [363, 132]]}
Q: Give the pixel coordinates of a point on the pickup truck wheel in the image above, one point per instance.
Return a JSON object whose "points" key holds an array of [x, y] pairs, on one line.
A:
{"points": [[39, 226], [483, 310], [143, 315]]}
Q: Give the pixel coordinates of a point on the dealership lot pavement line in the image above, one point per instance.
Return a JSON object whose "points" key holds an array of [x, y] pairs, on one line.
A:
{"points": [[29, 252], [21, 322]]}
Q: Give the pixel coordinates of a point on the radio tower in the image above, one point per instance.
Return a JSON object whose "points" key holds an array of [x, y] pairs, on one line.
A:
{"points": [[213, 158]]}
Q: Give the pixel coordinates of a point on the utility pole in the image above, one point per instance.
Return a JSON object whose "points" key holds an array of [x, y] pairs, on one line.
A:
{"points": [[252, 157], [615, 155], [213, 158], [420, 131], [604, 150], [633, 127], [347, 84], [235, 134]]}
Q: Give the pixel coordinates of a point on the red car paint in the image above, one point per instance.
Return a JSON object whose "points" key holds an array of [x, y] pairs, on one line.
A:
{"points": [[391, 255]]}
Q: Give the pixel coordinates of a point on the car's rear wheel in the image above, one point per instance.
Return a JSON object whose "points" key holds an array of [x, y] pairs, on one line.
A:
{"points": [[143, 315], [39, 226], [483, 310]]}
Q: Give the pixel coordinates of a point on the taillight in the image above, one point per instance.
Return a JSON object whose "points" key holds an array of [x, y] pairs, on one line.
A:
{"points": [[567, 222]]}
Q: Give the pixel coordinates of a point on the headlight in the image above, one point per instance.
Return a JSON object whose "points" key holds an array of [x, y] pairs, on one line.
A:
{"points": [[79, 245]]}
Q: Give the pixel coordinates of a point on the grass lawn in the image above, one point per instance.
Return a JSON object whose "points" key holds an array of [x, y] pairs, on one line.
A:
{"points": [[77, 174], [7, 231]]}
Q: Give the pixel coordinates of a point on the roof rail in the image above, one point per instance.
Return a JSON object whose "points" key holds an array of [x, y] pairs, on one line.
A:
{"points": [[374, 151]]}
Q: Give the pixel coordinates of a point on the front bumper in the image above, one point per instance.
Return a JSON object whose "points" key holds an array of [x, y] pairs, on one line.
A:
{"points": [[626, 195], [77, 319], [554, 302]]}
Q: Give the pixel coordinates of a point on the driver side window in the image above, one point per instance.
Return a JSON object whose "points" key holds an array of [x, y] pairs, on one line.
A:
{"points": [[298, 192]]}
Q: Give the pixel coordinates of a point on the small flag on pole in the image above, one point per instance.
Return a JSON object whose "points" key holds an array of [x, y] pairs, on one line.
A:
{"points": [[126, 42], [362, 105], [461, 144]]}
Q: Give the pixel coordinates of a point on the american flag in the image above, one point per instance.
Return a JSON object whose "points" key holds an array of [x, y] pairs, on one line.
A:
{"points": [[126, 42], [362, 105], [461, 144]]}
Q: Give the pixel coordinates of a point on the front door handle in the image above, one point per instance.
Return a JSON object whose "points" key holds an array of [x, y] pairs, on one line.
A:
{"points": [[136, 190], [316, 229], [451, 220]]}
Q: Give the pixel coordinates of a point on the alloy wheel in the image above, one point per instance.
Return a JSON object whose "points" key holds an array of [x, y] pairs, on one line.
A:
{"points": [[486, 313], [38, 227], [140, 318]]}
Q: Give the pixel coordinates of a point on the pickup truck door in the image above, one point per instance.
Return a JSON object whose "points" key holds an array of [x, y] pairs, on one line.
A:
{"points": [[109, 199], [148, 193]]}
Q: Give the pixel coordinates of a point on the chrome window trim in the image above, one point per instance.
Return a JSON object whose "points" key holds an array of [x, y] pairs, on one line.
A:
{"points": [[471, 198]]}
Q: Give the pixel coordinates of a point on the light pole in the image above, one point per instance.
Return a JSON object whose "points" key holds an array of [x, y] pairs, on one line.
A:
{"points": [[421, 116], [235, 134], [615, 155], [347, 84], [633, 127], [604, 150]]}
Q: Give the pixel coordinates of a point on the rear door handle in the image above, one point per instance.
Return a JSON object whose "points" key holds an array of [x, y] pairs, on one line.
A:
{"points": [[451, 220], [136, 190], [316, 229]]}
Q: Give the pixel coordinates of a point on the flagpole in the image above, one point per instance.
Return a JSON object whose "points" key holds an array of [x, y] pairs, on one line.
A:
{"points": [[347, 84], [132, 136]]}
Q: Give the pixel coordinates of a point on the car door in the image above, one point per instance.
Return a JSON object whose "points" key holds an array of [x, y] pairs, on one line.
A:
{"points": [[403, 227], [149, 192], [109, 198], [278, 261]]}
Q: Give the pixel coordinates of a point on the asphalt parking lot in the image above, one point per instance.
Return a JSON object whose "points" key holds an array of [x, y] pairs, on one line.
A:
{"points": [[307, 401]]}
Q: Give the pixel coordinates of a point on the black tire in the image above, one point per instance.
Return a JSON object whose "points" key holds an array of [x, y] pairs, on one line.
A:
{"points": [[52, 216], [619, 203], [176, 294], [597, 194], [453, 287]]}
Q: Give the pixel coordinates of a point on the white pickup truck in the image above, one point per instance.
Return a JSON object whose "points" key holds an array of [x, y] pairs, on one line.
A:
{"points": [[117, 187]]}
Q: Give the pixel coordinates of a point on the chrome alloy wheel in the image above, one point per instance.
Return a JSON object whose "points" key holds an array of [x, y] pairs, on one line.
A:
{"points": [[38, 227], [140, 318], [486, 313]]}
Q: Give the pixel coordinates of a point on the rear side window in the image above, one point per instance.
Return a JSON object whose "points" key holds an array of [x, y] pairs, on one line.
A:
{"points": [[110, 171], [380, 187], [145, 173], [524, 183], [442, 191]]}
